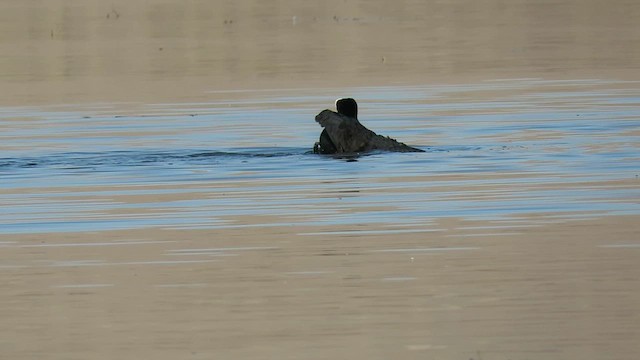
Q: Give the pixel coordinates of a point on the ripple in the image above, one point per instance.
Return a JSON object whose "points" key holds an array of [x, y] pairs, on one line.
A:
{"points": [[556, 150]]}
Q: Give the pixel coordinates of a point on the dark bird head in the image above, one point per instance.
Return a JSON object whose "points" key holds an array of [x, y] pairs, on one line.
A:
{"points": [[347, 107]]}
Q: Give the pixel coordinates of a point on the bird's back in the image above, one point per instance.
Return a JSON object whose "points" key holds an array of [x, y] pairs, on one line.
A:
{"points": [[350, 136]]}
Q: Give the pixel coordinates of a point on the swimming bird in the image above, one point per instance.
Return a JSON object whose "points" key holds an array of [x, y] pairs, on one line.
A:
{"points": [[344, 134]]}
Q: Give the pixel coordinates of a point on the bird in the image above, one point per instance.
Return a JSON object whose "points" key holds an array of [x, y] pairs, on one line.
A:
{"points": [[343, 134]]}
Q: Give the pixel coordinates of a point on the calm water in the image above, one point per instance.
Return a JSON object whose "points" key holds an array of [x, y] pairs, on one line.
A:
{"points": [[504, 150], [169, 214]]}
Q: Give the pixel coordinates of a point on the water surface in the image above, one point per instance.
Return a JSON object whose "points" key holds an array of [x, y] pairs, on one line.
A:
{"points": [[194, 230], [159, 199], [500, 150]]}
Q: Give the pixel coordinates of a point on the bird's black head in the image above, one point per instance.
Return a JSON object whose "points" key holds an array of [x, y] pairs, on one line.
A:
{"points": [[348, 107]]}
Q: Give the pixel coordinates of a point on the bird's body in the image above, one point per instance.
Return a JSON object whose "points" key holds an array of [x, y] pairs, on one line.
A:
{"points": [[344, 134]]}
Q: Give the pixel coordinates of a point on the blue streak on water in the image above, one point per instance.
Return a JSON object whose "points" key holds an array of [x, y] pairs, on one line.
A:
{"points": [[211, 165]]}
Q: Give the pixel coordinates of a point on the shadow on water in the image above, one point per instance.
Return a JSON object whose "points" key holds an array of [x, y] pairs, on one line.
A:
{"points": [[79, 160], [129, 158]]}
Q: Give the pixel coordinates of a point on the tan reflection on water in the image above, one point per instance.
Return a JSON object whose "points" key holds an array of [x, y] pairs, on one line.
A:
{"points": [[60, 51], [559, 291]]}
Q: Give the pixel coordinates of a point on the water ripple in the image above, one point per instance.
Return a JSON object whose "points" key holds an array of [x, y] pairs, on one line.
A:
{"points": [[555, 149]]}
